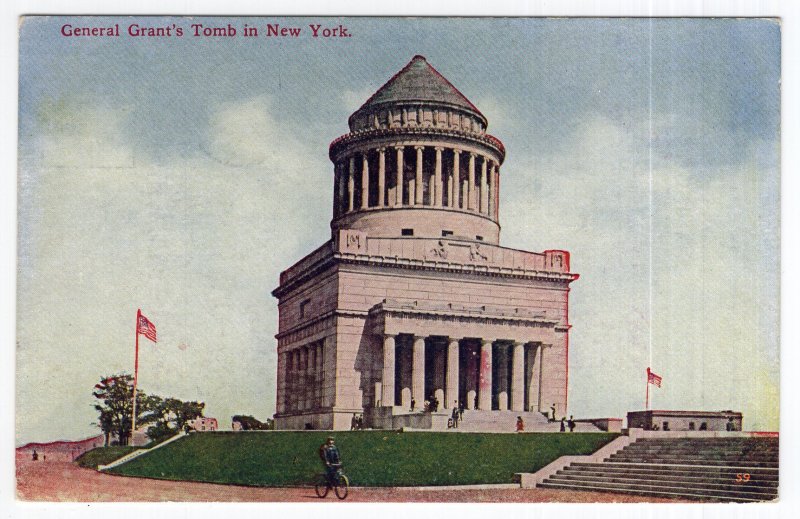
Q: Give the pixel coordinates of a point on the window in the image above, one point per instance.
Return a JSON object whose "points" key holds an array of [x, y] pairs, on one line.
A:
{"points": [[479, 238], [407, 232], [447, 233], [304, 307]]}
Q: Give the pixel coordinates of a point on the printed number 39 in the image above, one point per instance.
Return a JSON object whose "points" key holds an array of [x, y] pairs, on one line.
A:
{"points": [[742, 477]]}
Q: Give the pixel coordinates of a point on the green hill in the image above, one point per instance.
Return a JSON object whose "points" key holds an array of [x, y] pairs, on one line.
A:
{"points": [[371, 458]]}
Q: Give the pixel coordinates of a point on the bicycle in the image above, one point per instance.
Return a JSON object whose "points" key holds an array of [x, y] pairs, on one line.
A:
{"points": [[339, 483]]}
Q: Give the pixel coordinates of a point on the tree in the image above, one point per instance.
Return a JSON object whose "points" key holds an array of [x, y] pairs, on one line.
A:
{"points": [[171, 415], [166, 416], [116, 394], [250, 423]]}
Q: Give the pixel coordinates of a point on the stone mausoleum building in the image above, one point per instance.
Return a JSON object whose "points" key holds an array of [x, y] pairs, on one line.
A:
{"points": [[413, 297]]}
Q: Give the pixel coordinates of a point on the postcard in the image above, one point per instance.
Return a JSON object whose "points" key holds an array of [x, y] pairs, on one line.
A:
{"points": [[396, 259]]}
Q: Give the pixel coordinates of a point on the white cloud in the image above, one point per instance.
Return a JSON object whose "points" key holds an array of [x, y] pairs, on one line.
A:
{"points": [[89, 137], [196, 242], [714, 276], [353, 99]]}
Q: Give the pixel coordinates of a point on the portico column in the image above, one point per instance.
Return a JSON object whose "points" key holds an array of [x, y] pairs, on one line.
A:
{"points": [[438, 178], [399, 185], [451, 384], [418, 182], [485, 379], [418, 370], [351, 183], [471, 202], [518, 377], [484, 188], [381, 177], [455, 198], [387, 389], [364, 181]]}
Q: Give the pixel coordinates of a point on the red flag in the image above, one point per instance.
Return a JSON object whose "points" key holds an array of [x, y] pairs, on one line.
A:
{"points": [[652, 378], [146, 328]]}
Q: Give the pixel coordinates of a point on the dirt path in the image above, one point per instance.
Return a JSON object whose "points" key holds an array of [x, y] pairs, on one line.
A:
{"points": [[62, 481]]}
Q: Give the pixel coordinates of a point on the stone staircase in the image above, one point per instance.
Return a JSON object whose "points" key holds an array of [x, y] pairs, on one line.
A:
{"points": [[139, 452], [741, 469], [506, 421]]}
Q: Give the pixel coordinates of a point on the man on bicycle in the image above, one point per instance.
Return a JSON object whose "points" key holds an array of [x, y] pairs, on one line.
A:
{"points": [[331, 458]]}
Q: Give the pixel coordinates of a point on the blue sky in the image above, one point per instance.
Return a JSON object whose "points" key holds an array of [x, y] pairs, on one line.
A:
{"points": [[182, 175]]}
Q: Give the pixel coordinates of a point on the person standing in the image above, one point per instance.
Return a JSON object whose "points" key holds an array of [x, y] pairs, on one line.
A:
{"points": [[571, 423], [454, 415], [563, 425], [553, 411], [520, 424]]}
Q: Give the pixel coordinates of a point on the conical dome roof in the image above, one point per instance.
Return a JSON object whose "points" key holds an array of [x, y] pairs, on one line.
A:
{"points": [[419, 82]]}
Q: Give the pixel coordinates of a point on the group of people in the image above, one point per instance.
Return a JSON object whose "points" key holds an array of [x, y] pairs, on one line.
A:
{"points": [[456, 416], [431, 405], [357, 422], [567, 424]]}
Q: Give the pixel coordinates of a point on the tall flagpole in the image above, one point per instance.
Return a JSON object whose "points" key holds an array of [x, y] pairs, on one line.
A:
{"points": [[647, 392], [135, 372]]}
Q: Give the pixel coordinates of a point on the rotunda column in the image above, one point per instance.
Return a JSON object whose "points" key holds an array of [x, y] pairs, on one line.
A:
{"points": [[484, 208], [364, 181], [456, 199], [471, 198], [381, 177], [351, 183], [438, 178], [497, 192], [399, 186], [418, 181], [491, 190], [337, 190]]}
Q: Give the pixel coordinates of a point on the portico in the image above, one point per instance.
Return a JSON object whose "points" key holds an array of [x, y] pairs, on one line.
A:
{"points": [[429, 351]]}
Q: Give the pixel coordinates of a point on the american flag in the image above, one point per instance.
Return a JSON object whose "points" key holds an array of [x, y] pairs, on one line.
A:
{"points": [[146, 328], [652, 378]]}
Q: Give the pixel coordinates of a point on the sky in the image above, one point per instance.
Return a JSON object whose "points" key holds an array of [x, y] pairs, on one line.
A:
{"points": [[180, 175]]}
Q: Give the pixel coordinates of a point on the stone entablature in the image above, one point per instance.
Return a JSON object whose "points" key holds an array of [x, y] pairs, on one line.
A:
{"points": [[453, 253], [425, 319], [435, 253]]}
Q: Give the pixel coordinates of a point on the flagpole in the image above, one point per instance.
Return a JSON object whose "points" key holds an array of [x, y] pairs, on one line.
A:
{"points": [[135, 373], [647, 392]]}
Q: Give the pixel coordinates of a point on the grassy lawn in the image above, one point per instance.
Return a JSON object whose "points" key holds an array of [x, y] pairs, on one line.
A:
{"points": [[371, 458], [102, 456]]}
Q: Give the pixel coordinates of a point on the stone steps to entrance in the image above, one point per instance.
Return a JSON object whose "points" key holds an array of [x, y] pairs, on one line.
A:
{"points": [[692, 481], [506, 421], [659, 491], [718, 469], [694, 461], [672, 471]]}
